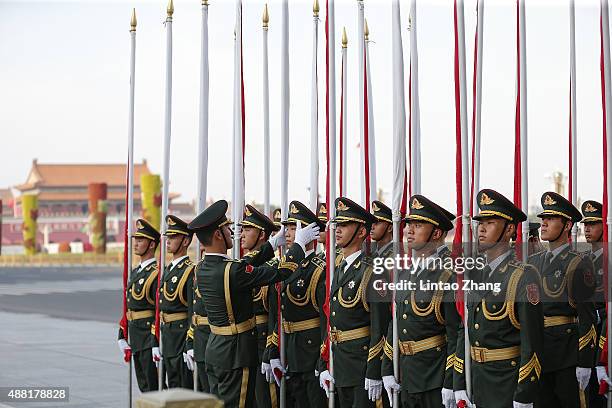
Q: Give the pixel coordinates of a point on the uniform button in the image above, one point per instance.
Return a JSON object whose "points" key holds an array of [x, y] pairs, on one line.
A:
{"points": [[349, 298], [406, 301], [365, 347], [334, 327], [309, 341], [476, 326], [194, 302], [161, 290], [494, 306], [533, 378], [513, 363], [282, 306], [333, 313], [404, 331], [335, 298], [160, 300], [569, 330], [404, 316], [477, 344], [438, 349], [478, 309], [263, 333], [148, 323], [181, 325], [283, 294]]}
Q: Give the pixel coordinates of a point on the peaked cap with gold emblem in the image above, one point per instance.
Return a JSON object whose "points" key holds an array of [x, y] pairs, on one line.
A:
{"points": [[592, 212], [494, 205], [349, 211], [555, 205], [381, 212], [424, 210], [176, 226], [254, 218], [211, 218], [322, 212], [276, 217], [298, 212], [146, 230]]}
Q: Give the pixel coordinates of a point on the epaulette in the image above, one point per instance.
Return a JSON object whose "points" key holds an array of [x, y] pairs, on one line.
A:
{"points": [[272, 262], [318, 262], [368, 260], [252, 253], [516, 264], [188, 262]]}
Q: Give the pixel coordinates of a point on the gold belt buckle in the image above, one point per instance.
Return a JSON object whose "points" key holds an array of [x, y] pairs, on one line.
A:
{"points": [[288, 327], [162, 317], [406, 348], [128, 315], [481, 355], [333, 336]]}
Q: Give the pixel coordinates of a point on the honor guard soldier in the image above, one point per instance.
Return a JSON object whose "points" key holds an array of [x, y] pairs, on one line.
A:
{"points": [[304, 322], [568, 284], [226, 286], [141, 294], [198, 333], [593, 233], [382, 230], [357, 340], [427, 321], [174, 294], [256, 229], [504, 316]]}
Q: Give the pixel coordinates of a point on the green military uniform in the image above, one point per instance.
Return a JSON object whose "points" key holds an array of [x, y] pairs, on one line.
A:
{"points": [[141, 293], [568, 284], [226, 286], [427, 321], [198, 333], [265, 393], [304, 322], [174, 294], [356, 339], [505, 322], [592, 212]]}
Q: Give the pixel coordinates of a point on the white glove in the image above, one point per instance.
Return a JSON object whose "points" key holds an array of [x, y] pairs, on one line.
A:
{"points": [[448, 398], [188, 359], [374, 389], [304, 236], [325, 381], [602, 375], [390, 386], [583, 375], [277, 370], [278, 239], [157, 357], [522, 404], [123, 345], [266, 370], [461, 395]]}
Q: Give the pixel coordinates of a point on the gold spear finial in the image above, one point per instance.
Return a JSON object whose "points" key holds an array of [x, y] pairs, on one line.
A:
{"points": [[344, 38], [133, 20], [367, 30], [205, 2], [170, 8], [315, 8], [266, 17]]}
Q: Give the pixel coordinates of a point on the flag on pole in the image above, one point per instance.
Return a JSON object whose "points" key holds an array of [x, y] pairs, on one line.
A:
{"points": [[266, 112], [369, 125], [314, 114]]}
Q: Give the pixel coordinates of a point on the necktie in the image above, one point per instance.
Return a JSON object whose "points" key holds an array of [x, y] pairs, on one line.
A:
{"points": [[547, 259], [342, 266]]}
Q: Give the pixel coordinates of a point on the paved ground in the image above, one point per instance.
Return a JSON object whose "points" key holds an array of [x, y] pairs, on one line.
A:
{"points": [[59, 329]]}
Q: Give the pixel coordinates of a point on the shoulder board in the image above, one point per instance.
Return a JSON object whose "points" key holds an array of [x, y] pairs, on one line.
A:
{"points": [[367, 260], [577, 253], [252, 253], [516, 264], [232, 260], [188, 262], [536, 255], [318, 262]]}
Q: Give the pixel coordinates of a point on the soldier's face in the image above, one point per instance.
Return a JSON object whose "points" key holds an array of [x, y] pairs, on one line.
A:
{"points": [[552, 228], [173, 243], [593, 231], [290, 234], [345, 232], [489, 231], [226, 235], [378, 231], [141, 245], [418, 234], [249, 237]]}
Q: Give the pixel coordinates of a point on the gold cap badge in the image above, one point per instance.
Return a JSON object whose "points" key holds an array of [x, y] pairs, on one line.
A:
{"points": [[416, 205], [294, 209], [486, 200], [375, 207], [341, 206], [548, 200], [323, 210], [170, 221], [139, 225], [589, 208], [247, 212]]}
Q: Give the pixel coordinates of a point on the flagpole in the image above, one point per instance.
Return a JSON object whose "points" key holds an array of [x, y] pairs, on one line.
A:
{"points": [[314, 114], [238, 156], [343, 113], [373, 188], [573, 119], [476, 112], [130, 185], [463, 175], [523, 123], [361, 93], [607, 97], [330, 27], [399, 167], [415, 122], [285, 100], [165, 180], [266, 112]]}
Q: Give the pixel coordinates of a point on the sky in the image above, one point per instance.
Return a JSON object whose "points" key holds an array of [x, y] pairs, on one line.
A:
{"points": [[65, 87]]}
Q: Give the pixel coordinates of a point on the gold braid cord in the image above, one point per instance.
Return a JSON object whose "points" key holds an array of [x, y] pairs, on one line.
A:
{"points": [[436, 300], [508, 309]]}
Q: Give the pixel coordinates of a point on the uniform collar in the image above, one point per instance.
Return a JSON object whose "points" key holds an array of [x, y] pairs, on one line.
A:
{"points": [[176, 261], [384, 247], [494, 264], [351, 258], [597, 253], [557, 251], [146, 263], [215, 254]]}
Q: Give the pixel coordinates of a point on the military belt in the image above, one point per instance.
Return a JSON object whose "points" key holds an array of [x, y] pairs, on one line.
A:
{"points": [[293, 327], [485, 355], [551, 321], [172, 317], [198, 320], [261, 319], [139, 314], [410, 348], [233, 329], [340, 336]]}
